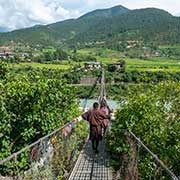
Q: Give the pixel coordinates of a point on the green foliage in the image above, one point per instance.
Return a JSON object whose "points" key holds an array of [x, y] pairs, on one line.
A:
{"points": [[138, 77], [154, 117], [3, 69], [46, 56], [68, 149], [60, 54], [90, 58], [73, 77], [83, 57], [31, 109], [34, 102], [112, 68]]}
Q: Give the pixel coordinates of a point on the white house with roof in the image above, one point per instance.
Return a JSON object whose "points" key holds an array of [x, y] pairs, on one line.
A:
{"points": [[92, 65]]}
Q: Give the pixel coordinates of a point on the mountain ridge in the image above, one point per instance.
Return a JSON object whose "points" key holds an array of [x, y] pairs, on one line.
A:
{"points": [[119, 9], [115, 23]]}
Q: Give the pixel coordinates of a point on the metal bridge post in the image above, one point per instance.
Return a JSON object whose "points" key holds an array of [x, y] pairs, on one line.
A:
{"points": [[15, 169]]}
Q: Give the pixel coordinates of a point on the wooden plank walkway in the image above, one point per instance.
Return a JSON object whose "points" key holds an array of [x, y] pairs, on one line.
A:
{"points": [[91, 166]]}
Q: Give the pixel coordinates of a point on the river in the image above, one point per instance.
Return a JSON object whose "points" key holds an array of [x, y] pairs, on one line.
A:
{"points": [[112, 104]]}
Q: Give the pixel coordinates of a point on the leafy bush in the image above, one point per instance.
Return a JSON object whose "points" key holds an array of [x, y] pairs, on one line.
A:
{"points": [[3, 70], [154, 117], [31, 109]]}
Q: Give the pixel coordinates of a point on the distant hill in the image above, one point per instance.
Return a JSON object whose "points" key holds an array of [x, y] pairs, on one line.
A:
{"points": [[113, 24], [104, 13]]}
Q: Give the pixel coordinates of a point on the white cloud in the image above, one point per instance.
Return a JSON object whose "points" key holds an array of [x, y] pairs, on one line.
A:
{"points": [[16, 14], [25, 13], [172, 6]]}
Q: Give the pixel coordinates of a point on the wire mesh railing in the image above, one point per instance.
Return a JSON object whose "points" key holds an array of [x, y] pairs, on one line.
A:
{"points": [[49, 158], [155, 169]]}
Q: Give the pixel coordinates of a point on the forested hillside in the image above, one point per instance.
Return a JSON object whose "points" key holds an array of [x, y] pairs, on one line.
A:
{"points": [[113, 24]]}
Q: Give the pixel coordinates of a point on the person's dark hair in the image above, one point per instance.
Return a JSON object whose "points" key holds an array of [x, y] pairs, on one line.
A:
{"points": [[103, 103], [95, 105]]}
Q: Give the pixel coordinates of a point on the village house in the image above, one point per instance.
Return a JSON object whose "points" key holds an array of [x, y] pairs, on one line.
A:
{"points": [[118, 65], [6, 54], [92, 65], [157, 54]]}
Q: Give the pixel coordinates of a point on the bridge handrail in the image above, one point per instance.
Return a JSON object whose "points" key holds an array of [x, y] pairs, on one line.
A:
{"points": [[155, 157], [14, 155]]}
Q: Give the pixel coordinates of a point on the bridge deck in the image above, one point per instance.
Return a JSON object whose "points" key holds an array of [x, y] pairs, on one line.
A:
{"points": [[90, 166]]}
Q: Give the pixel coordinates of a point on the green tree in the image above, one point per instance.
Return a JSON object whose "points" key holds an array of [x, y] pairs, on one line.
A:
{"points": [[3, 69], [154, 117], [31, 109], [61, 55]]}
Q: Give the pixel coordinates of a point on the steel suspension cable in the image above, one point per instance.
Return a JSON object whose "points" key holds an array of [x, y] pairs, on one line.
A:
{"points": [[155, 158], [140, 143], [102, 91], [90, 93]]}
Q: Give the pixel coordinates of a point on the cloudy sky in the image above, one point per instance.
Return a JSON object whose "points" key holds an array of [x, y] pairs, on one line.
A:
{"points": [[16, 14]]}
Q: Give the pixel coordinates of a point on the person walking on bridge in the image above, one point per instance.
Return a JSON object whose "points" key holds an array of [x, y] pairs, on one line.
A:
{"points": [[104, 109], [95, 119]]}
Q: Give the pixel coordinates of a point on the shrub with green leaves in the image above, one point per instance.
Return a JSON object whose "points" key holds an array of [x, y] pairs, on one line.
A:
{"points": [[30, 110], [154, 116]]}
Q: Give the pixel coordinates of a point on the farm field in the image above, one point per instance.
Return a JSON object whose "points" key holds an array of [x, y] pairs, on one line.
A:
{"points": [[107, 56], [170, 47], [153, 64], [40, 65]]}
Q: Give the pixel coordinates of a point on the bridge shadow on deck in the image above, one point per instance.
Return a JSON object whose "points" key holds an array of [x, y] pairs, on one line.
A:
{"points": [[91, 166]]}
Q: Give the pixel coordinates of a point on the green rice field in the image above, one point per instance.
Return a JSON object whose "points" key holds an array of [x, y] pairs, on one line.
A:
{"points": [[107, 56], [40, 65]]}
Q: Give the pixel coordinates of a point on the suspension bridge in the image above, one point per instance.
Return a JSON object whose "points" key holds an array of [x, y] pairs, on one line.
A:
{"points": [[62, 155]]}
